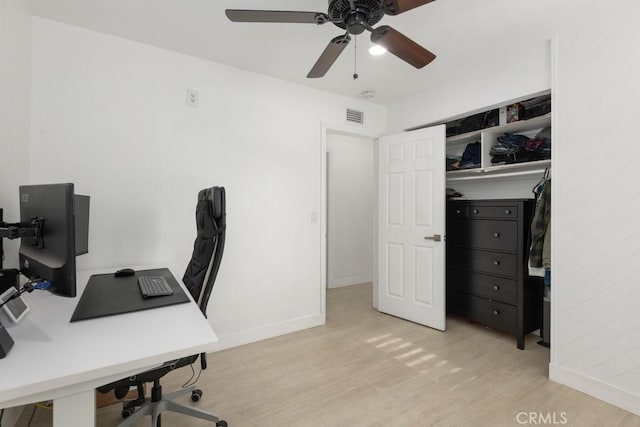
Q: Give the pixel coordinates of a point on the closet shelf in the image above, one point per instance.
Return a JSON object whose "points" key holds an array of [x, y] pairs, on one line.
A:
{"points": [[456, 146], [500, 171], [514, 127], [522, 125]]}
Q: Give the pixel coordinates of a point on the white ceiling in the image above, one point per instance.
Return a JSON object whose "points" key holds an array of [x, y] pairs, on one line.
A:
{"points": [[459, 32]]}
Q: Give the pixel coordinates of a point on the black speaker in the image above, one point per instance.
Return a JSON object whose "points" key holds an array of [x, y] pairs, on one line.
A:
{"points": [[6, 342]]}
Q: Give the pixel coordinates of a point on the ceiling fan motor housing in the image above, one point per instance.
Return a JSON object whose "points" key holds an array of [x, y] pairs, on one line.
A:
{"points": [[367, 13]]}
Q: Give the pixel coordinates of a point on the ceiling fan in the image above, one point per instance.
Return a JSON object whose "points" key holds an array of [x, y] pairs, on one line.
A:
{"points": [[355, 16]]}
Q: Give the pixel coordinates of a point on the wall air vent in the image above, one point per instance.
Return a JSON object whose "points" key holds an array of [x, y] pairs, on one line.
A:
{"points": [[354, 116]]}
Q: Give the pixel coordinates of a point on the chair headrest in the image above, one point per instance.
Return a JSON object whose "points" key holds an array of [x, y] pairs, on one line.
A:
{"points": [[216, 197]]}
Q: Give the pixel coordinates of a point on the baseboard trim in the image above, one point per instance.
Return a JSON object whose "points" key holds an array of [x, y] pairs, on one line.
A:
{"points": [[268, 331], [348, 281], [593, 387]]}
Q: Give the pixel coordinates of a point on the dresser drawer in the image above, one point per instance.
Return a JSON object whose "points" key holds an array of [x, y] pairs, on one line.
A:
{"points": [[484, 234], [501, 212], [494, 314], [483, 261], [458, 211], [483, 285]]}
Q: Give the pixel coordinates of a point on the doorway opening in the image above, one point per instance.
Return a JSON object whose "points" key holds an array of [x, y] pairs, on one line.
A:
{"points": [[349, 208]]}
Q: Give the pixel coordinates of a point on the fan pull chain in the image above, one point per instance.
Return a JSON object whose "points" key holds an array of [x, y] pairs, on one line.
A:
{"points": [[355, 58]]}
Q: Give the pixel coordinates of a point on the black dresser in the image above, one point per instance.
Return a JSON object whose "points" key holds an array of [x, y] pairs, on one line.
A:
{"points": [[487, 256]]}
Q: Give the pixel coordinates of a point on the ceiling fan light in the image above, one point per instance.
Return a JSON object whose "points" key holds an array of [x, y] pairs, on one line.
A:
{"points": [[377, 50]]}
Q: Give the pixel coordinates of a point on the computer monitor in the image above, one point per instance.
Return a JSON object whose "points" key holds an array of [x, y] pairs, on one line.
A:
{"points": [[51, 254]]}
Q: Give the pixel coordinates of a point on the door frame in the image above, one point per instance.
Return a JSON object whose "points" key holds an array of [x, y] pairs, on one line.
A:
{"points": [[357, 132]]}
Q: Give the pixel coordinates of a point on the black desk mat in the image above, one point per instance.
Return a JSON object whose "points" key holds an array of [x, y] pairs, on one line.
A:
{"points": [[106, 295]]}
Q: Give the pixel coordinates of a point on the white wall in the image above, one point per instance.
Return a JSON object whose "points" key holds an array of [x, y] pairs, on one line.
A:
{"points": [[350, 209], [596, 198], [110, 116], [481, 83], [15, 86]]}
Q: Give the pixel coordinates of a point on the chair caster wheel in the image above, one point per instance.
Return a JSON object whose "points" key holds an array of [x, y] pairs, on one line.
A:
{"points": [[126, 412], [196, 395], [221, 423]]}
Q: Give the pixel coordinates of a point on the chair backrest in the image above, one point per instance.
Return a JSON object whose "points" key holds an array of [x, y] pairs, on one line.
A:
{"points": [[208, 247]]}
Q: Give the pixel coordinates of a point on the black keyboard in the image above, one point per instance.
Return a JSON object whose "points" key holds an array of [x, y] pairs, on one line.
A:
{"points": [[154, 286]]}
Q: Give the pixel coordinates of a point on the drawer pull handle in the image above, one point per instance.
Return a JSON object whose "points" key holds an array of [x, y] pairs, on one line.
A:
{"points": [[496, 262], [458, 211], [507, 211], [476, 211], [496, 312], [496, 287], [496, 235]]}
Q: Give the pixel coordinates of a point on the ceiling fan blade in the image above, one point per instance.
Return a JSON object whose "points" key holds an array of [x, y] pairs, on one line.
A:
{"points": [[287, 16], [329, 56], [401, 46], [395, 7]]}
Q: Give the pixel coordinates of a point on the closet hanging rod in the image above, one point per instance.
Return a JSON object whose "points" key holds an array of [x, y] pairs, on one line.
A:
{"points": [[495, 175]]}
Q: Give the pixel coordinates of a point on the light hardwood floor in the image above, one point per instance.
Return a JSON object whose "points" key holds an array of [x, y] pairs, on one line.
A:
{"points": [[364, 368]]}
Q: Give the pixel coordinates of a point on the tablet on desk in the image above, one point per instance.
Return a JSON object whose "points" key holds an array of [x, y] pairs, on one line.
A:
{"points": [[16, 309]]}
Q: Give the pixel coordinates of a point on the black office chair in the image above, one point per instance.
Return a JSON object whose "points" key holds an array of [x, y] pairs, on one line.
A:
{"points": [[199, 279]]}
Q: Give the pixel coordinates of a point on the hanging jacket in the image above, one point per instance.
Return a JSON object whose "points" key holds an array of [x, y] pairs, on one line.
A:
{"points": [[540, 227], [546, 248]]}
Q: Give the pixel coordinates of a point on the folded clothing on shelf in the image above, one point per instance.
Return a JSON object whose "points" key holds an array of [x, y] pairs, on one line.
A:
{"points": [[470, 158], [515, 148]]}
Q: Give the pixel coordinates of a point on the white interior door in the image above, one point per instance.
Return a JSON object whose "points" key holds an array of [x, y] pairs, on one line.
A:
{"points": [[411, 225]]}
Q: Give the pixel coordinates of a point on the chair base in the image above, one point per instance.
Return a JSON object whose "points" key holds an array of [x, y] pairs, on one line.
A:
{"points": [[154, 409]]}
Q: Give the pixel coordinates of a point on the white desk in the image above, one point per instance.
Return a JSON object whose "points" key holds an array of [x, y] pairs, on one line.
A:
{"points": [[53, 359]]}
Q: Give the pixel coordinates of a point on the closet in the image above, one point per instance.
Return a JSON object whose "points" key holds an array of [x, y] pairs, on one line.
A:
{"points": [[488, 277], [499, 156]]}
